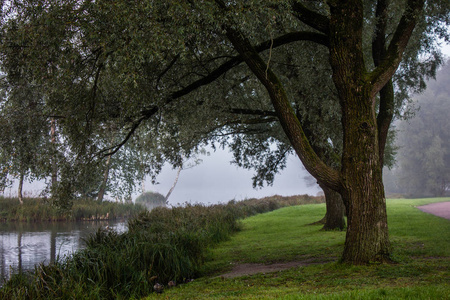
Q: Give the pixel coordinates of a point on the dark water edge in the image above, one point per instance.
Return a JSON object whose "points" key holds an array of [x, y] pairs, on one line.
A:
{"points": [[24, 245]]}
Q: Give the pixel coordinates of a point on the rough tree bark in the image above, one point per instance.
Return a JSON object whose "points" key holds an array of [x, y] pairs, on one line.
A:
{"points": [[362, 188]]}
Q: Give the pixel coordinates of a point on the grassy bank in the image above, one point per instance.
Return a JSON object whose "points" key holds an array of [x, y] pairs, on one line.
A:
{"points": [[421, 247], [161, 246], [39, 210]]}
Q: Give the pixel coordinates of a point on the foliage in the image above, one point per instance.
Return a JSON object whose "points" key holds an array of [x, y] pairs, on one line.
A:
{"points": [[113, 75], [151, 200], [160, 246], [424, 143], [24, 139]]}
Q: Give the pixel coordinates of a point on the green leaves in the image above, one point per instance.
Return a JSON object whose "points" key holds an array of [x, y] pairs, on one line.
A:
{"points": [[160, 79]]}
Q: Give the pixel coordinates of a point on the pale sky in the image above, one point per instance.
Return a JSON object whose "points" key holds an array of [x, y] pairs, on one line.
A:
{"points": [[216, 180]]}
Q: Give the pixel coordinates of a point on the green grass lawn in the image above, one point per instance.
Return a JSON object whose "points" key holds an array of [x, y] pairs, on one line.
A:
{"points": [[420, 242]]}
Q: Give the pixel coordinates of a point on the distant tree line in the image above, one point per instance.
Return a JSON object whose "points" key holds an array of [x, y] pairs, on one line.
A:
{"points": [[423, 160]]}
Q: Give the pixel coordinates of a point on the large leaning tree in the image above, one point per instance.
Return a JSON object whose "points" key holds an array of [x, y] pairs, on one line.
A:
{"points": [[174, 75]]}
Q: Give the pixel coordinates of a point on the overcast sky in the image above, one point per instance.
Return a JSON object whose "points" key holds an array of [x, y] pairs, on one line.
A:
{"points": [[216, 180]]}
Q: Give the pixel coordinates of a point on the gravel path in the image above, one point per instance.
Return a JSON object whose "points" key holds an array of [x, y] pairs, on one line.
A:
{"points": [[440, 209]]}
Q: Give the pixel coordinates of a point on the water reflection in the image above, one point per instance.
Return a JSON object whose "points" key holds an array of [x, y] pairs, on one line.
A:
{"points": [[23, 245]]}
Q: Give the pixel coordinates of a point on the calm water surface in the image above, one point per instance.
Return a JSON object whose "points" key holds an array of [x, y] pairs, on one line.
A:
{"points": [[23, 245]]}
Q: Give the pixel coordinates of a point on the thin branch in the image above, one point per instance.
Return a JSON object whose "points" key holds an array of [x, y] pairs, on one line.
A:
{"points": [[145, 116], [257, 112], [252, 121]]}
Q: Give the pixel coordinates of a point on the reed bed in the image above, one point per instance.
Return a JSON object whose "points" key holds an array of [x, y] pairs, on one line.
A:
{"points": [[41, 210]]}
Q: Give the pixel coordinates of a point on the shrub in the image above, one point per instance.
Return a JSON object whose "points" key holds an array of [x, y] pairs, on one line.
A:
{"points": [[151, 200]]}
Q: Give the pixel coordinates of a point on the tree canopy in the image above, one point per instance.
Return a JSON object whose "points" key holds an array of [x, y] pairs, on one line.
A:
{"points": [[167, 77]]}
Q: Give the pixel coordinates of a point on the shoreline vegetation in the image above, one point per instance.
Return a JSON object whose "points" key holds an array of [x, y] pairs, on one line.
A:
{"points": [[41, 210], [160, 246], [167, 247]]}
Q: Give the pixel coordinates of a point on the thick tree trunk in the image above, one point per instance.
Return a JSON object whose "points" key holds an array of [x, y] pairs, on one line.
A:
{"points": [[361, 174], [363, 191], [359, 181], [334, 217], [367, 231]]}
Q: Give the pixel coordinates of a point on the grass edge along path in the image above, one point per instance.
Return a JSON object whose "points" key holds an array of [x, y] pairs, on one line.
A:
{"points": [[420, 241]]}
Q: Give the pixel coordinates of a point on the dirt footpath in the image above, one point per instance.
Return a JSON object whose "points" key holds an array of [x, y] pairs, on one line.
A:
{"points": [[441, 209], [250, 269]]}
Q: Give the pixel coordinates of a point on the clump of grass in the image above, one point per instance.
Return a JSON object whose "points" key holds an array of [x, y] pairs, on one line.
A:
{"points": [[160, 246]]}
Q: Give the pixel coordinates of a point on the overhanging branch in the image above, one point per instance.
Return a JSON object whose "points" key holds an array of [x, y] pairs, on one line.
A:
{"points": [[214, 75], [285, 113]]}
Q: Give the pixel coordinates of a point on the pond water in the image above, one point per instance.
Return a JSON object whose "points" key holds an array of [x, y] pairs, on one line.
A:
{"points": [[24, 245]]}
